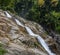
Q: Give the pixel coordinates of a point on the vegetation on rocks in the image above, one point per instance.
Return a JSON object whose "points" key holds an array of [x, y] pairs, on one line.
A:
{"points": [[2, 50], [44, 12], [21, 36], [18, 40]]}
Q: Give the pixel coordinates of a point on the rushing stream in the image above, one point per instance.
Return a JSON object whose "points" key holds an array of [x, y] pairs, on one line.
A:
{"points": [[30, 31], [39, 38], [19, 23], [8, 15]]}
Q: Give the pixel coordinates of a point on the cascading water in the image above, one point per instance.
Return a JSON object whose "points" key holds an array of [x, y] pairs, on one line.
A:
{"points": [[29, 31], [19, 23], [41, 40], [8, 15]]}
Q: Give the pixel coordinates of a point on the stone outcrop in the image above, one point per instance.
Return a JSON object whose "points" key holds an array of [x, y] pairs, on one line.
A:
{"points": [[16, 39]]}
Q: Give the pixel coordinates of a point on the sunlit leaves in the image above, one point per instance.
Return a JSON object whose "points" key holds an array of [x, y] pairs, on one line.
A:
{"points": [[41, 2]]}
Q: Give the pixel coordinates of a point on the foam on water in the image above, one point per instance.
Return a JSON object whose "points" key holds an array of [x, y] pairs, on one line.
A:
{"points": [[29, 31], [40, 40], [8, 15], [44, 44], [19, 23]]}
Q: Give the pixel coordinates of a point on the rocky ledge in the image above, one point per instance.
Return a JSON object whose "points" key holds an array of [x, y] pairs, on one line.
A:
{"points": [[16, 39]]}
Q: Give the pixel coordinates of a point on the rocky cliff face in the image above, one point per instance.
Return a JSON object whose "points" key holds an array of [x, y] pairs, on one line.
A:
{"points": [[17, 40]]}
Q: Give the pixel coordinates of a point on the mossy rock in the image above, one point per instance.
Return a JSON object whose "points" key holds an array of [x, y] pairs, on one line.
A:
{"points": [[2, 49]]}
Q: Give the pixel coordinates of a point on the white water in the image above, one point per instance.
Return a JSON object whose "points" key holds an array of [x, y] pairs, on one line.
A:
{"points": [[41, 40], [19, 23], [29, 31], [8, 15]]}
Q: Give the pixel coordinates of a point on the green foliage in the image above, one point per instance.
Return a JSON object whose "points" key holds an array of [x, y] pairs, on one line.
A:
{"points": [[58, 29], [45, 12], [2, 50], [33, 14], [4, 4], [56, 20]]}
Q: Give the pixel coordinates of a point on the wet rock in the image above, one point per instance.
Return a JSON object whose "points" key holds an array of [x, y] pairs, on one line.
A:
{"points": [[29, 41], [17, 39]]}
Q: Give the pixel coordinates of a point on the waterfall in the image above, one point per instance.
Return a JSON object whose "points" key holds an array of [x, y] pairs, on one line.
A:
{"points": [[8, 15], [30, 31], [41, 40], [19, 23]]}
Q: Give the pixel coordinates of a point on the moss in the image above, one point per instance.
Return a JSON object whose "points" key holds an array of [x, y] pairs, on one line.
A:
{"points": [[2, 50]]}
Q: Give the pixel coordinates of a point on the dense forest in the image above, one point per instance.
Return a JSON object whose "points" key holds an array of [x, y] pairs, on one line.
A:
{"points": [[44, 12]]}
